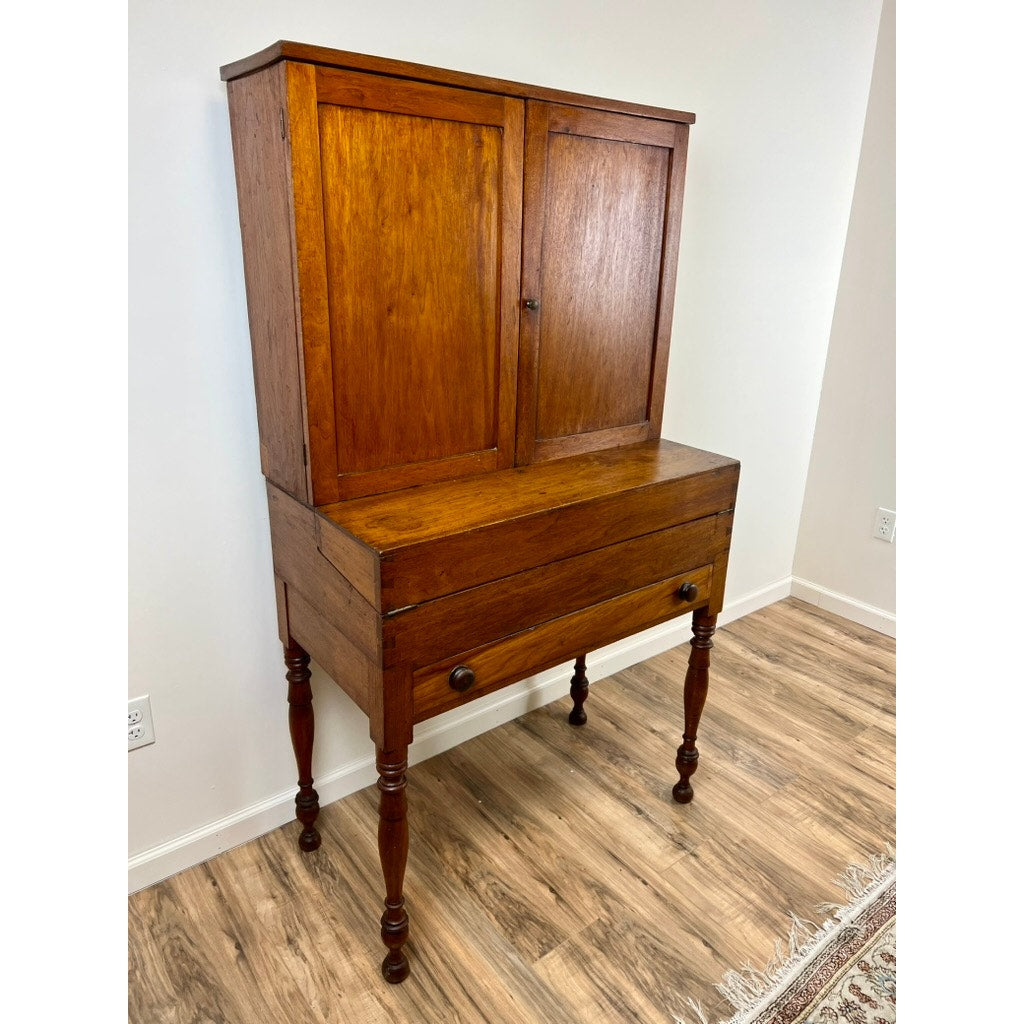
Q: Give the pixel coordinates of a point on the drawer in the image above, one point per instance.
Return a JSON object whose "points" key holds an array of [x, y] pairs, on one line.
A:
{"points": [[460, 622], [499, 664]]}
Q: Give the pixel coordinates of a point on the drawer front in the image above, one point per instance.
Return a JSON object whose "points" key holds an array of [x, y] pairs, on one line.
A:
{"points": [[468, 558], [443, 628], [499, 664]]}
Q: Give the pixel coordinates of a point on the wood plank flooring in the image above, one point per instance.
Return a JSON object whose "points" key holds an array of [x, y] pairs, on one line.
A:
{"points": [[551, 877]]}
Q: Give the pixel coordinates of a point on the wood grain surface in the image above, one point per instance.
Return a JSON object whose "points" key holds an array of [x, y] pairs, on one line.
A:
{"points": [[265, 219], [540, 647], [298, 562], [427, 300], [308, 252], [416, 183], [472, 617], [449, 536], [293, 51], [551, 878], [603, 226], [413, 284], [391, 521], [602, 204]]}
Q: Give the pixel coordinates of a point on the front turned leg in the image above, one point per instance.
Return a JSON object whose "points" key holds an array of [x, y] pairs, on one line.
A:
{"points": [[579, 689], [695, 690], [300, 724], [393, 843]]}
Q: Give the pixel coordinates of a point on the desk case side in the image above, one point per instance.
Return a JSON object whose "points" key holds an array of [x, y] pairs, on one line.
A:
{"points": [[266, 221]]}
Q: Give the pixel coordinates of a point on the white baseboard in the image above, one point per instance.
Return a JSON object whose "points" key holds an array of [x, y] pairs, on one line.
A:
{"points": [[848, 607], [754, 600], [436, 736]]}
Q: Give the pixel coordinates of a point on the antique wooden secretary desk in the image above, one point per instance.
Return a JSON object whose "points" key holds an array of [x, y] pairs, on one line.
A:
{"points": [[460, 299]]}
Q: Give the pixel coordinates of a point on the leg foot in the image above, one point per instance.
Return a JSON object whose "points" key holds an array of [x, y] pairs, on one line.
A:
{"points": [[395, 971], [682, 792], [300, 724], [695, 691], [579, 690], [393, 844]]}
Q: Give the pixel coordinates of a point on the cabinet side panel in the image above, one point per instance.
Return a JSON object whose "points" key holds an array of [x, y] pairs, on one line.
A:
{"points": [[264, 199], [302, 566]]}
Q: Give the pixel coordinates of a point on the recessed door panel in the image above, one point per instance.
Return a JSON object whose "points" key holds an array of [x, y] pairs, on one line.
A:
{"points": [[600, 192], [603, 219], [411, 354], [411, 216]]}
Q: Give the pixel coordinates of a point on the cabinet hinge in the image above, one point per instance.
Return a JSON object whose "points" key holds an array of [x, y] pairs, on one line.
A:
{"points": [[305, 454], [281, 116]]}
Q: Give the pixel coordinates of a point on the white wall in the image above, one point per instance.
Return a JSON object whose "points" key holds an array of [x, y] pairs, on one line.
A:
{"points": [[779, 89], [853, 462]]}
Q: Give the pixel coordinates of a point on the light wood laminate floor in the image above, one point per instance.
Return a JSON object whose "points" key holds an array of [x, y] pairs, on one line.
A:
{"points": [[552, 879]]}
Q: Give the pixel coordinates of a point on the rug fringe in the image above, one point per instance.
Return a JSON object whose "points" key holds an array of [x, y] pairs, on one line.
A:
{"points": [[747, 987], [860, 879], [702, 1017]]}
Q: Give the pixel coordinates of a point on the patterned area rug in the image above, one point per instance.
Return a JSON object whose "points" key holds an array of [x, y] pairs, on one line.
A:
{"points": [[841, 973]]}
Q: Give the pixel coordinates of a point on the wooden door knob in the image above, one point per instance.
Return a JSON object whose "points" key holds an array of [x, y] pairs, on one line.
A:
{"points": [[532, 304], [688, 591], [461, 678]]}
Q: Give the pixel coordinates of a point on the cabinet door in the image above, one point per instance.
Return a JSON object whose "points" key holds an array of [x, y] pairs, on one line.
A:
{"points": [[408, 207], [603, 197]]}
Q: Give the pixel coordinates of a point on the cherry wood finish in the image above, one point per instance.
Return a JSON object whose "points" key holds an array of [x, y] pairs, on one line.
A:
{"points": [[266, 211], [420, 185], [695, 692], [393, 845], [379, 195], [325, 57], [450, 624], [300, 721], [416, 544], [460, 296], [407, 205], [551, 643], [603, 196], [383, 255], [579, 690]]}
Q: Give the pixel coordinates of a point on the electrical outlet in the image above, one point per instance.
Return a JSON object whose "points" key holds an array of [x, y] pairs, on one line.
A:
{"points": [[140, 723], [885, 524]]}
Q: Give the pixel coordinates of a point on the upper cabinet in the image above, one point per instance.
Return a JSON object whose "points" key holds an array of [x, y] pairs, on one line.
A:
{"points": [[447, 274]]}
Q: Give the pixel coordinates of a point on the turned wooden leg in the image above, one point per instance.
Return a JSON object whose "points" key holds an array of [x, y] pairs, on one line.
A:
{"points": [[393, 843], [579, 689], [300, 723], [695, 690]]}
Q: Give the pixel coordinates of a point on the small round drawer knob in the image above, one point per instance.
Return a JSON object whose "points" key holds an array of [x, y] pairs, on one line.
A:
{"points": [[532, 304], [461, 678], [688, 591]]}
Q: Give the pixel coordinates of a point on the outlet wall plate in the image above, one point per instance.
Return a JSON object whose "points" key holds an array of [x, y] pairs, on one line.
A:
{"points": [[885, 525], [140, 723]]}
